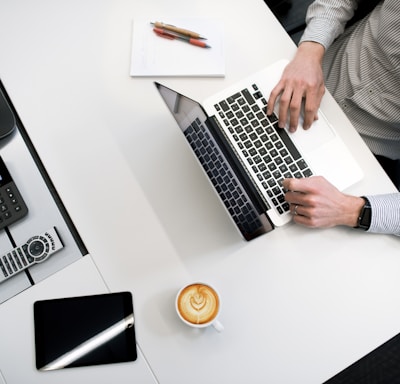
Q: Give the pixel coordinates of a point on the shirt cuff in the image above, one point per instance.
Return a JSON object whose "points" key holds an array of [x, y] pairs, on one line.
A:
{"points": [[385, 213], [321, 31]]}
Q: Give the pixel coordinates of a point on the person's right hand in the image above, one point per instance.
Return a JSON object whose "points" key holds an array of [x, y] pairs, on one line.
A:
{"points": [[316, 203], [302, 80]]}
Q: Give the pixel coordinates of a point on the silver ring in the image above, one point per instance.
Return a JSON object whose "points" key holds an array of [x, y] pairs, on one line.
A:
{"points": [[295, 210]]}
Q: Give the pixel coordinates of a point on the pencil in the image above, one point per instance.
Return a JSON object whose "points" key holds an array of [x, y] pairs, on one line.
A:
{"points": [[180, 31]]}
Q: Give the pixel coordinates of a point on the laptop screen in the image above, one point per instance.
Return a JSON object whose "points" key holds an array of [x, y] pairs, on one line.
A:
{"points": [[184, 110]]}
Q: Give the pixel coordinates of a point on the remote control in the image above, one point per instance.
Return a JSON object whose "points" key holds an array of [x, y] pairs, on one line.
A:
{"points": [[36, 250], [12, 205]]}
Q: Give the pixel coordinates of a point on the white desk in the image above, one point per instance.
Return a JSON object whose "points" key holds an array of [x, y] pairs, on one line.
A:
{"points": [[298, 305]]}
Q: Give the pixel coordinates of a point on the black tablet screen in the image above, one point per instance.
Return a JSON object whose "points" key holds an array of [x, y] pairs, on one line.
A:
{"points": [[86, 330]]}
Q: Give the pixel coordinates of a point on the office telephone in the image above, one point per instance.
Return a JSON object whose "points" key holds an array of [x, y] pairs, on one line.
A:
{"points": [[12, 205]]}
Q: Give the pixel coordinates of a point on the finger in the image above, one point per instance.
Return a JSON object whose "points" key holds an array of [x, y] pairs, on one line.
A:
{"points": [[310, 113], [293, 184], [284, 106], [295, 209], [295, 198], [273, 98], [300, 216], [295, 109], [286, 183], [309, 118], [302, 220], [311, 106]]}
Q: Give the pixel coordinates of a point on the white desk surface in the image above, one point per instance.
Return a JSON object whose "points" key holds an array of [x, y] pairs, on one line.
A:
{"points": [[298, 305]]}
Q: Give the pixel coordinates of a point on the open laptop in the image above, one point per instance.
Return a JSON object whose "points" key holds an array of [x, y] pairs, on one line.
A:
{"points": [[246, 156]]}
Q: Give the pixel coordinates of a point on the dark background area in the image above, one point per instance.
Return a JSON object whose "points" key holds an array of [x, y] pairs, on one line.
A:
{"points": [[291, 14]]}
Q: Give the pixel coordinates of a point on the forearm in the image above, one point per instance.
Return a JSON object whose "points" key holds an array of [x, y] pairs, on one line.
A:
{"points": [[311, 51]]}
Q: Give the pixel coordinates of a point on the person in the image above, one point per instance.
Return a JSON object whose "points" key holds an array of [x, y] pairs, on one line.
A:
{"points": [[360, 66]]}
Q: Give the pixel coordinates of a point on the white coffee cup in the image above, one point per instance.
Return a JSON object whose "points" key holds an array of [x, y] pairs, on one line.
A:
{"points": [[198, 305]]}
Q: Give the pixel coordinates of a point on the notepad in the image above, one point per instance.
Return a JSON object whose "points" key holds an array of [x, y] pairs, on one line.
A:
{"points": [[155, 56]]}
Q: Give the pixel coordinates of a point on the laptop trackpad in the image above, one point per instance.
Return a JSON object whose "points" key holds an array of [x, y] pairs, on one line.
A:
{"points": [[308, 140]]}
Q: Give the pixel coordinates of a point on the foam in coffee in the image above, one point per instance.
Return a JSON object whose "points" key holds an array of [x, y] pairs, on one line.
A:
{"points": [[198, 304]]}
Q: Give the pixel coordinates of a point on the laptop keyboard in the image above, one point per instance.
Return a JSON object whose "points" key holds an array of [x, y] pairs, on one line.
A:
{"points": [[224, 180], [267, 150]]}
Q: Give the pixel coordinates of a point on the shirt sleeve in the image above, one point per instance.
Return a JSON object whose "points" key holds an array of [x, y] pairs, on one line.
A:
{"points": [[385, 213], [326, 20]]}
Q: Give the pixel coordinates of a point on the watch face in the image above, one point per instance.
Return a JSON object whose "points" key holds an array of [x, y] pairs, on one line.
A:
{"points": [[364, 220]]}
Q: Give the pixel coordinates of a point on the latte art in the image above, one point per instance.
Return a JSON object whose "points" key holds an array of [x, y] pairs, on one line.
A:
{"points": [[198, 304]]}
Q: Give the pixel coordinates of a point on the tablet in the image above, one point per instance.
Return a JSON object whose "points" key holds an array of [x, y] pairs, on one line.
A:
{"points": [[86, 330]]}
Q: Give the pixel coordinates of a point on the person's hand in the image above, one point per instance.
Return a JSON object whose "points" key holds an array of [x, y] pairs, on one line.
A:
{"points": [[314, 202], [301, 81]]}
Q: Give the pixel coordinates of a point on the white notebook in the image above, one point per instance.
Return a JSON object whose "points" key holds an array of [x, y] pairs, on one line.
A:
{"points": [[156, 56]]}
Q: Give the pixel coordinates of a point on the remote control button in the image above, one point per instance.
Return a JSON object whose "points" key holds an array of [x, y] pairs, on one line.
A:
{"points": [[16, 259], [21, 256], [6, 263], [28, 256], [3, 269], [36, 248], [14, 266]]}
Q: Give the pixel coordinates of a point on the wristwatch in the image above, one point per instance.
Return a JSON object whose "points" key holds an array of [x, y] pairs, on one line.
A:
{"points": [[364, 219]]}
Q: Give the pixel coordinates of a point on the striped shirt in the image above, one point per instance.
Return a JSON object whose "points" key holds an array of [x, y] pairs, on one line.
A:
{"points": [[362, 72]]}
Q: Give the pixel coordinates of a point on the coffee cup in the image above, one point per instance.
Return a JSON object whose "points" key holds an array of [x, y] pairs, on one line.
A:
{"points": [[198, 306]]}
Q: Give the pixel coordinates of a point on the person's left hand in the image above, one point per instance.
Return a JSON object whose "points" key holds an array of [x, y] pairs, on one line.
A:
{"points": [[315, 202], [302, 82]]}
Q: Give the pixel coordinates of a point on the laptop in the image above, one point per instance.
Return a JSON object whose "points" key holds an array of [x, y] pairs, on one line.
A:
{"points": [[246, 156]]}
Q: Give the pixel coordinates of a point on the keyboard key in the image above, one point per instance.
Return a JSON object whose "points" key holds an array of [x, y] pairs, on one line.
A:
{"points": [[248, 96]]}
